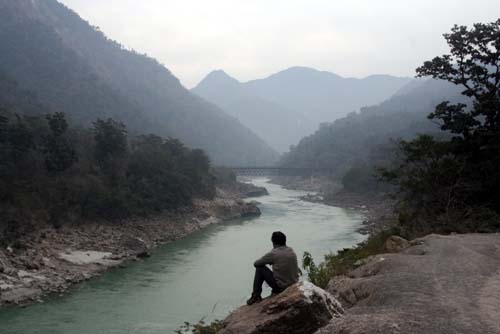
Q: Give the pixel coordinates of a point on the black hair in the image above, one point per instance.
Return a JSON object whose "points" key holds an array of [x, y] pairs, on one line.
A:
{"points": [[279, 239]]}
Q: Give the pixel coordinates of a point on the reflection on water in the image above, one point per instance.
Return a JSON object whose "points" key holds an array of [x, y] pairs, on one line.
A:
{"points": [[205, 275]]}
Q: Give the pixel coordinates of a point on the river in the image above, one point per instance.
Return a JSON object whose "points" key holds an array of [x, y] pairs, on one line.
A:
{"points": [[204, 275]]}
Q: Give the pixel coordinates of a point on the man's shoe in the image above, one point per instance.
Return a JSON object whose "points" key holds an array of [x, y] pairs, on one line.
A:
{"points": [[254, 299]]}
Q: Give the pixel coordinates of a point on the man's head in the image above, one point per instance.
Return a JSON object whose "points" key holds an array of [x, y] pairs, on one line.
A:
{"points": [[278, 239]]}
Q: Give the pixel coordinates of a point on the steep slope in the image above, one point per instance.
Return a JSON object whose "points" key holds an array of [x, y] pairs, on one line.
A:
{"points": [[276, 124], [351, 139], [73, 67], [16, 100]]}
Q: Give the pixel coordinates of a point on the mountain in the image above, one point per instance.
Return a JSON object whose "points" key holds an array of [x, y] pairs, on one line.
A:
{"points": [[47, 49], [294, 101], [277, 125], [351, 139]]}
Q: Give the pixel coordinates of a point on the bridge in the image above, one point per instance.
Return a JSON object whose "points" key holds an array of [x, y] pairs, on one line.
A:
{"points": [[281, 171]]}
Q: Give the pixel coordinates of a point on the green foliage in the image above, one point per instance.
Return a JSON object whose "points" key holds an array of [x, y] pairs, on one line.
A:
{"points": [[346, 259], [473, 63], [454, 185], [362, 178], [110, 147], [201, 327], [55, 172], [318, 275], [224, 176], [60, 154]]}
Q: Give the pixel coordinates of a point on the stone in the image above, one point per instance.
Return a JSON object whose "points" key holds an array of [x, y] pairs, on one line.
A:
{"points": [[260, 191], [6, 287], [301, 309], [4, 263], [395, 244], [136, 246], [19, 295], [250, 210], [48, 263], [85, 257], [23, 274]]}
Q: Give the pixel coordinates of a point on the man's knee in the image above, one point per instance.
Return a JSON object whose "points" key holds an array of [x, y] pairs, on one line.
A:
{"points": [[260, 270]]}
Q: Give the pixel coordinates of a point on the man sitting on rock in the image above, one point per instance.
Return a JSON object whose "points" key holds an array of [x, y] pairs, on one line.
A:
{"points": [[285, 269]]}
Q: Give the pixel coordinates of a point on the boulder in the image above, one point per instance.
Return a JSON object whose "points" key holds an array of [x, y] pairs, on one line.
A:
{"points": [[19, 295], [4, 263], [249, 190], [395, 244], [257, 192], [136, 245], [250, 210], [301, 309]]}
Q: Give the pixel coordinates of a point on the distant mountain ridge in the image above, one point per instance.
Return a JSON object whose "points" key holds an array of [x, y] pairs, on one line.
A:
{"points": [[294, 101], [71, 66], [277, 125]]}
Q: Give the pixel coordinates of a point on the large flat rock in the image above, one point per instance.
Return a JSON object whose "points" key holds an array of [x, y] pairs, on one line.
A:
{"points": [[440, 285]]}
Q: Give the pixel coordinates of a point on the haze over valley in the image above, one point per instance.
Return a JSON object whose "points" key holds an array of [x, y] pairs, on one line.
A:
{"points": [[249, 167], [290, 104]]}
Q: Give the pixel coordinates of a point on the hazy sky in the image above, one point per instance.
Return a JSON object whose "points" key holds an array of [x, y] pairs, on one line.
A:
{"points": [[253, 38]]}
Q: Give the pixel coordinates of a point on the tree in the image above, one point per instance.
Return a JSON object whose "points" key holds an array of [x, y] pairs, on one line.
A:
{"points": [[474, 63], [60, 154], [445, 184], [111, 146]]}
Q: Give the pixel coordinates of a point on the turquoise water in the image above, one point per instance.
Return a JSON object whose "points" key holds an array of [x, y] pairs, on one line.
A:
{"points": [[202, 276]]}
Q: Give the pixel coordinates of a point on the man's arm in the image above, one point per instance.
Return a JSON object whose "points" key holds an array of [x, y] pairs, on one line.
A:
{"points": [[266, 259]]}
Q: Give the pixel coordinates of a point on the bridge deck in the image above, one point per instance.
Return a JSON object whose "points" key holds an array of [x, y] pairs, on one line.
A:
{"points": [[282, 171]]}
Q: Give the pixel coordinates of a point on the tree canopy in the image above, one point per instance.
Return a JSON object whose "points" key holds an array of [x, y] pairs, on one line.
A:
{"points": [[454, 185]]}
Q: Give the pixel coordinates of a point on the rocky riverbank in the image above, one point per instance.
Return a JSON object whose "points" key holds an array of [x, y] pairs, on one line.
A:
{"points": [[47, 260], [376, 207]]}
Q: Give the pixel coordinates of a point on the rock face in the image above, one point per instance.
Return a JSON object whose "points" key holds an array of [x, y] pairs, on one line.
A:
{"points": [[439, 284], [395, 244], [136, 245], [249, 190], [250, 210], [301, 309]]}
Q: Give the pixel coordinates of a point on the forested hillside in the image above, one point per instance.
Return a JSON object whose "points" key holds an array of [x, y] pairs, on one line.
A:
{"points": [[74, 68], [289, 105], [350, 140], [53, 172]]}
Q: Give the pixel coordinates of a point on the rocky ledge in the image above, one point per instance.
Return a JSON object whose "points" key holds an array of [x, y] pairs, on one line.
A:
{"points": [[436, 284], [48, 260], [432, 285], [301, 309]]}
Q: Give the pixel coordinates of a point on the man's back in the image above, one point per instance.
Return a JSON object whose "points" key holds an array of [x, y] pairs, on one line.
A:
{"points": [[285, 265]]}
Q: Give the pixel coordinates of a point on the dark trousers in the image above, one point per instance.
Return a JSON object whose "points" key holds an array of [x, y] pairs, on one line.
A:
{"points": [[264, 274]]}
